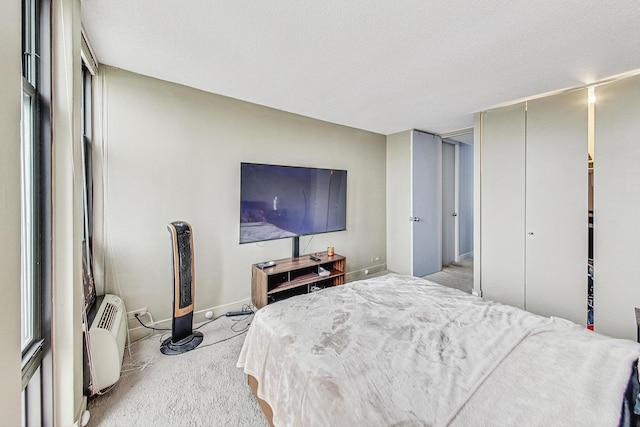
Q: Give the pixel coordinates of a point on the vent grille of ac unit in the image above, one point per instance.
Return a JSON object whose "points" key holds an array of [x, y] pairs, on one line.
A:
{"points": [[108, 316]]}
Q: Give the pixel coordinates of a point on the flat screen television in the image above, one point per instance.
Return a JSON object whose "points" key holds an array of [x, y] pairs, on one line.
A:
{"points": [[278, 202]]}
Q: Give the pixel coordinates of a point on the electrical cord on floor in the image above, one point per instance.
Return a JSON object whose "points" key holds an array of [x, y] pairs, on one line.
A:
{"points": [[209, 321], [245, 307], [244, 329], [237, 320], [149, 327], [168, 329], [241, 329], [222, 340]]}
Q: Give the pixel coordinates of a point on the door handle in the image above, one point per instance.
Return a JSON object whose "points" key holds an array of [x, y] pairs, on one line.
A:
{"points": [[414, 219], [455, 214]]}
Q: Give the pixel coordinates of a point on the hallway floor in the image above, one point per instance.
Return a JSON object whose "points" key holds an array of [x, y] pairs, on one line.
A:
{"points": [[457, 275]]}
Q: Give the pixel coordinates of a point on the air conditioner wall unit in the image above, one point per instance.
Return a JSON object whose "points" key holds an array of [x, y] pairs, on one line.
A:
{"points": [[107, 338]]}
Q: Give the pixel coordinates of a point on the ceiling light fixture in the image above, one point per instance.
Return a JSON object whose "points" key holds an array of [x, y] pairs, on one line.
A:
{"points": [[591, 97]]}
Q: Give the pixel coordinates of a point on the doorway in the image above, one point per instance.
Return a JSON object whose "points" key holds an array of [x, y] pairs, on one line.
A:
{"points": [[449, 203], [457, 198]]}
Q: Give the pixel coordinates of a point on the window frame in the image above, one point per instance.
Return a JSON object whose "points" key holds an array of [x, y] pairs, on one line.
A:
{"points": [[31, 191], [87, 190], [35, 226]]}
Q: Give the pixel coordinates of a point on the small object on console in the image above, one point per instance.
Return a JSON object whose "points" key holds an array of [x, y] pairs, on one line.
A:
{"points": [[314, 258], [263, 265]]}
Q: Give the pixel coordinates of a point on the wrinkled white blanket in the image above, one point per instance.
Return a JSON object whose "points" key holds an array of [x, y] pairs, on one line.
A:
{"points": [[398, 350]]}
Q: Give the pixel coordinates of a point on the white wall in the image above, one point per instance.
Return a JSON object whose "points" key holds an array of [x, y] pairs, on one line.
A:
{"points": [[398, 202], [173, 153], [10, 95], [66, 184]]}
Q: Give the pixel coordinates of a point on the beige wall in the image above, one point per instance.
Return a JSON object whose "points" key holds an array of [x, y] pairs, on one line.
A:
{"points": [[399, 238], [477, 176], [173, 153], [10, 94]]}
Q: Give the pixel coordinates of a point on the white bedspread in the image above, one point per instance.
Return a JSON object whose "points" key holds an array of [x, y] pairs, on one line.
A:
{"points": [[401, 351]]}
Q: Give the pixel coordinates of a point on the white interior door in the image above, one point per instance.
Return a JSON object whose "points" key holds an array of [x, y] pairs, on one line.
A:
{"points": [[502, 205], [449, 212], [426, 215], [556, 206]]}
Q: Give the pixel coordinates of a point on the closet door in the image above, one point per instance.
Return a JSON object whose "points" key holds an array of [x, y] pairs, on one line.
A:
{"points": [[557, 206], [502, 209], [617, 207]]}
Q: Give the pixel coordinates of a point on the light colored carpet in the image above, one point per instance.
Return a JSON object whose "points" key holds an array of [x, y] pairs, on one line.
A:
{"points": [[457, 275], [202, 387]]}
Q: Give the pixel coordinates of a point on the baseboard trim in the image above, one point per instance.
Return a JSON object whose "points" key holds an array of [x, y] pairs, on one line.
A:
{"points": [[80, 413], [138, 332], [364, 273], [199, 316]]}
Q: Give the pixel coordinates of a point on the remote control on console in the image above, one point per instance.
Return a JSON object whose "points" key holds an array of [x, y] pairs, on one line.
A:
{"points": [[264, 265]]}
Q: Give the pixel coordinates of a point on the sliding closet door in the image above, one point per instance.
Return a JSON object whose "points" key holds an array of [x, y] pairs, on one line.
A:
{"points": [[556, 206], [617, 208], [502, 184]]}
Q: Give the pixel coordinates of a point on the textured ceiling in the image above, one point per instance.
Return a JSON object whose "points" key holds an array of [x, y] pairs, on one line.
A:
{"points": [[379, 65]]}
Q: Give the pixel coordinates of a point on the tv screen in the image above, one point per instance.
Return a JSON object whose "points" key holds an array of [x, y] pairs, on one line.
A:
{"points": [[286, 201]]}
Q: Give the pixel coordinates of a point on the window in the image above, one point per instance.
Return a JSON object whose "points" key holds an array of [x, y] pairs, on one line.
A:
{"points": [[35, 217], [29, 181], [87, 169], [28, 274]]}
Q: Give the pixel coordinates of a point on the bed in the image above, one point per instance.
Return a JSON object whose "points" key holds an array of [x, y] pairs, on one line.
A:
{"points": [[402, 351]]}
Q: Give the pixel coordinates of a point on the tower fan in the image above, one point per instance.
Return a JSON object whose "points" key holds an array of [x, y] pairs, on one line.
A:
{"points": [[183, 337]]}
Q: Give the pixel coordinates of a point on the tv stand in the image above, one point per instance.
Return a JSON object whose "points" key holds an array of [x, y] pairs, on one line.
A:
{"points": [[295, 276]]}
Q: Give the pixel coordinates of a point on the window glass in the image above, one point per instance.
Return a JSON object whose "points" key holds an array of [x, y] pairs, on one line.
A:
{"points": [[28, 214]]}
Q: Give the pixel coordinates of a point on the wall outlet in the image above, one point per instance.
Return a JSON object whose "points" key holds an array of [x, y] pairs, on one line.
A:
{"points": [[375, 258], [139, 312]]}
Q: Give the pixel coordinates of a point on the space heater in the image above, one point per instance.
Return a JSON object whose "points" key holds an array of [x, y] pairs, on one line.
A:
{"points": [[183, 337]]}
